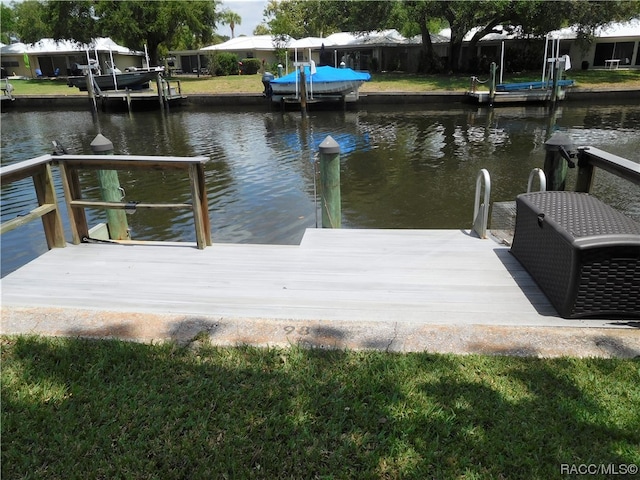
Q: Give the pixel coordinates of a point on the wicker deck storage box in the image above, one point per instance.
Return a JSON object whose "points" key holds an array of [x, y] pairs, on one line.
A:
{"points": [[584, 255]]}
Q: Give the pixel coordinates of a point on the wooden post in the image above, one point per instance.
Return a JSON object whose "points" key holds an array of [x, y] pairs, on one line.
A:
{"points": [[111, 191], [584, 180], [330, 183], [200, 209], [128, 93], [52, 221], [303, 91], [72, 191], [555, 78], [160, 90], [92, 94], [492, 82], [555, 164]]}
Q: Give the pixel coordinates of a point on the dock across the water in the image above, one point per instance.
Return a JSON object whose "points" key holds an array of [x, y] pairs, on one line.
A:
{"points": [[139, 99], [397, 290]]}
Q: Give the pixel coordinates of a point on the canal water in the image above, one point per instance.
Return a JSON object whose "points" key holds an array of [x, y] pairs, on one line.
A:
{"points": [[404, 167]]}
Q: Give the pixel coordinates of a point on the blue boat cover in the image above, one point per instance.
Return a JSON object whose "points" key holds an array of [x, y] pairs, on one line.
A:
{"points": [[326, 74]]}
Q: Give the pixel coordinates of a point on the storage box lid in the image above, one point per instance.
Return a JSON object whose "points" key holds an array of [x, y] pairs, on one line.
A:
{"points": [[581, 214]]}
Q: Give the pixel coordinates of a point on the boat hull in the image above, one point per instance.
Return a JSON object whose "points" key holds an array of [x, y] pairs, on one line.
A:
{"points": [[131, 80], [319, 88], [325, 81]]}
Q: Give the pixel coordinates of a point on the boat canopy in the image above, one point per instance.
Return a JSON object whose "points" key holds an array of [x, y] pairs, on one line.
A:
{"points": [[326, 74]]}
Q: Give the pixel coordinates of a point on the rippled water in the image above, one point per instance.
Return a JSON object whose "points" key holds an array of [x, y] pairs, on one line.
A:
{"points": [[414, 168]]}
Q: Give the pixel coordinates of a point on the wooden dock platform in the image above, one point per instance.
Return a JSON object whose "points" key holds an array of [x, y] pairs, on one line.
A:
{"points": [[138, 100], [523, 96], [401, 290]]}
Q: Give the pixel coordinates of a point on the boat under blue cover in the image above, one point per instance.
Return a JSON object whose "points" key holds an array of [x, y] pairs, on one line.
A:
{"points": [[325, 74], [510, 87]]}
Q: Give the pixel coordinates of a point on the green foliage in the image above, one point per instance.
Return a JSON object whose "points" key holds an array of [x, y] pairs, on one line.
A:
{"points": [[7, 23], [251, 66], [31, 21], [223, 63], [227, 17], [160, 25], [157, 24], [72, 20], [74, 408], [171, 24], [262, 29], [320, 18]]}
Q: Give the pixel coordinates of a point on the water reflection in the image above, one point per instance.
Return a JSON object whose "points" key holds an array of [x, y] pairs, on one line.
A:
{"points": [[414, 168]]}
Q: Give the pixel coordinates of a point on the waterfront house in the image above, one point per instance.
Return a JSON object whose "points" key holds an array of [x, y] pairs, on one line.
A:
{"points": [[613, 46], [50, 58]]}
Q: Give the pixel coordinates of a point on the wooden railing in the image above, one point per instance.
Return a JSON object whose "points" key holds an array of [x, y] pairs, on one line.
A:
{"points": [[590, 157], [40, 170]]}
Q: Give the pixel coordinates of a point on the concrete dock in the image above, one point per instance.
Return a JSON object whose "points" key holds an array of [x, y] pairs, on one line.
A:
{"points": [[397, 290]]}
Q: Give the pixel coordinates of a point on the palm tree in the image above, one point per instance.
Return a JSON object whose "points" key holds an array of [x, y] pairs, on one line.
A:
{"points": [[230, 18]]}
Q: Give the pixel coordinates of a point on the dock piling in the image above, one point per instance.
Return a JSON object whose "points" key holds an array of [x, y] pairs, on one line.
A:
{"points": [[303, 92], [111, 191], [492, 82], [557, 160], [160, 91], [330, 183], [92, 94]]}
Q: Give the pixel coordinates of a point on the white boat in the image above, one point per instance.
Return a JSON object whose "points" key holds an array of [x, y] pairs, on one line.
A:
{"points": [[324, 81]]}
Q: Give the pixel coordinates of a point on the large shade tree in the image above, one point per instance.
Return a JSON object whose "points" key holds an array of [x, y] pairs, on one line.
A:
{"points": [[156, 24], [531, 16], [320, 18], [160, 25], [420, 17], [30, 21], [300, 18], [7, 23]]}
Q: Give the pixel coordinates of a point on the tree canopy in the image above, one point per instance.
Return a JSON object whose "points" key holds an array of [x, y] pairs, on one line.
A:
{"points": [[160, 25], [300, 18]]}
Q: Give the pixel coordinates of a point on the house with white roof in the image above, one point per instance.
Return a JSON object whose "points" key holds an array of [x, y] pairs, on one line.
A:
{"points": [[50, 57], [613, 46], [386, 50], [194, 61]]}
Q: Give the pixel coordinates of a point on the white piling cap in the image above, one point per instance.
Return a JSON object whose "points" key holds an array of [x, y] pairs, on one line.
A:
{"points": [[329, 146], [101, 144]]}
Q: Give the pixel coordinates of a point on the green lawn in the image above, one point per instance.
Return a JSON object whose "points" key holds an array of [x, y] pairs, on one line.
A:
{"points": [[77, 409], [381, 82]]}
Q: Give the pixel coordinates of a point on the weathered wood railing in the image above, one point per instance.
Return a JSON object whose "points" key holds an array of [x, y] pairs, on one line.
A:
{"points": [[560, 154], [590, 157], [39, 169], [48, 209]]}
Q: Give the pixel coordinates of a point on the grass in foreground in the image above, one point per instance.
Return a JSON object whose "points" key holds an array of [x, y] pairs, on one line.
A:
{"points": [[74, 408], [381, 82]]}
